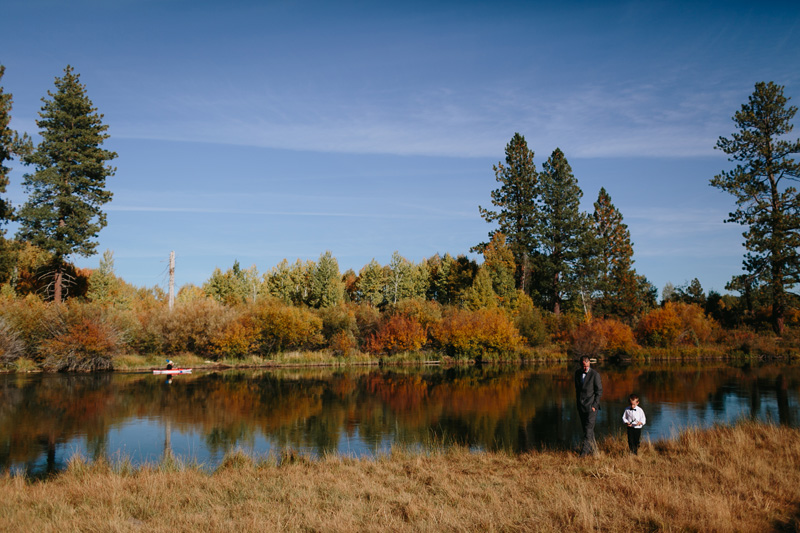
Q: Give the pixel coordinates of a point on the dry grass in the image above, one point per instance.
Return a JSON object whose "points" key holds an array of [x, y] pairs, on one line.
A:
{"points": [[744, 478]]}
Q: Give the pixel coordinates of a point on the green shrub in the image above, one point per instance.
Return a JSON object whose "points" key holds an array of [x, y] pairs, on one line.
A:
{"points": [[529, 321]]}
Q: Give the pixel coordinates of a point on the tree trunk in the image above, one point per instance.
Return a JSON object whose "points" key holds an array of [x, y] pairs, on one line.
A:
{"points": [[58, 282]]}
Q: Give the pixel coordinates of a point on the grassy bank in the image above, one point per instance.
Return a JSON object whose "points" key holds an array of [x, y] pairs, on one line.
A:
{"points": [[745, 478]]}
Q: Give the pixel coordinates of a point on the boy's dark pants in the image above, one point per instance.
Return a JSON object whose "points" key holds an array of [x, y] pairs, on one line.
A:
{"points": [[634, 435]]}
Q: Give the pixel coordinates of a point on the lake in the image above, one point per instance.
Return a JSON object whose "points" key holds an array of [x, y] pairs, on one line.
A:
{"points": [[47, 418]]}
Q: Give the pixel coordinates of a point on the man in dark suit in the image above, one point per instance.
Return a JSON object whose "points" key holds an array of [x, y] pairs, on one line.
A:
{"points": [[588, 389]]}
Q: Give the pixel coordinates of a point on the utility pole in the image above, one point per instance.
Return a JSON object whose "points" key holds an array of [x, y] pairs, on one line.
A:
{"points": [[171, 280]]}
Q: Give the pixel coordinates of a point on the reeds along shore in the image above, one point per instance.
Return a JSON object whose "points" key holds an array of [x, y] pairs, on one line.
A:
{"points": [[742, 478]]}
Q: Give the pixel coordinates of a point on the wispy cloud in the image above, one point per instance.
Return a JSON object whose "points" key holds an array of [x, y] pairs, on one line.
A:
{"points": [[598, 121]]}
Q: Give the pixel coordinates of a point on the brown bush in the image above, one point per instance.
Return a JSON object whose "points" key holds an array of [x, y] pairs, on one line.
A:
{"points": [[83, 338], [11, 345], [368, 321], [480, 334], [602, 337], [189, 327], [238, 338], [337, 319], [28, 318]]}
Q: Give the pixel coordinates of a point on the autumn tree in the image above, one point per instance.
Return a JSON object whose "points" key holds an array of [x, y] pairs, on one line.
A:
{"points": [[515, 201], [404, 279], [498, 260], [766, 202], [561, 230], [63, 213]]}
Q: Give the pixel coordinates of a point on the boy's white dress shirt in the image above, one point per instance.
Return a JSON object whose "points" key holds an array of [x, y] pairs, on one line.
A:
{"points": [[634, 416]]}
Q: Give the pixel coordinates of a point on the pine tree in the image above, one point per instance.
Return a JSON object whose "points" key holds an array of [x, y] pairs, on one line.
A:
{"points": [[289, 283], [618, 284], [67, 191], [516, 203], [11, 145], [327, 287], [561, 230], [371, 283], [766, 203], [480, 295]]}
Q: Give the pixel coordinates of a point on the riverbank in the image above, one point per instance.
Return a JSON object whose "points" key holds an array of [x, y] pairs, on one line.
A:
{"points": [[323, 358], [745, 478]]}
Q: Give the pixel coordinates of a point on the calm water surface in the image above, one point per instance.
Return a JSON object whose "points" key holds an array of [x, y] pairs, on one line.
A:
{"points": [[46, 419]]}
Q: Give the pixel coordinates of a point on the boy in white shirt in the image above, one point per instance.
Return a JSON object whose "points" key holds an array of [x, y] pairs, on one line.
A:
{"points": [[634, 419]]}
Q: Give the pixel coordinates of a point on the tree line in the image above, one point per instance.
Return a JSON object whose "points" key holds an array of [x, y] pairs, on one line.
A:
{"points": [[543, 253]]}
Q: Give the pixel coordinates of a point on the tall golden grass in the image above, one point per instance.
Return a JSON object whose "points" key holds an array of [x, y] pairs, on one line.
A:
{"points": [[742, 478]]}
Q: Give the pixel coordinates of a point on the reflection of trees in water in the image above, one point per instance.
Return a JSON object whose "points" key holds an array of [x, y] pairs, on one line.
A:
{"points": [[491, 407]]}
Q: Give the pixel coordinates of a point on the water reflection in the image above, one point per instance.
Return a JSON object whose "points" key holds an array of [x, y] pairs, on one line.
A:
{"points": [[45, 419]]}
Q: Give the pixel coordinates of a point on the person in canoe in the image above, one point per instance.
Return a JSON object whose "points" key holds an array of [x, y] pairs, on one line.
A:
{"points": [[170, 364]]}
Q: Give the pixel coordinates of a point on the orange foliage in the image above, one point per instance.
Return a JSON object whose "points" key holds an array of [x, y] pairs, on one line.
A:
{"points": [[675, 323], [602, 337], [398, 334], [696, 327], [659, 327], [426, 312], [343, 343], [482, 333]]}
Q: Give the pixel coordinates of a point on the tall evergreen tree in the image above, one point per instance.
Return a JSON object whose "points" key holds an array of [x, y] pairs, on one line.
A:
{"points": [[289, 283], [515, 200], [766, 203], [67, 191], [561, 230], [327, 287], [618, 284], [371, 283]]}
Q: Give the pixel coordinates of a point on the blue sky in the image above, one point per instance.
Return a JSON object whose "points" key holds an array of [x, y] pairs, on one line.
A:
{"points": [[258, 131]]}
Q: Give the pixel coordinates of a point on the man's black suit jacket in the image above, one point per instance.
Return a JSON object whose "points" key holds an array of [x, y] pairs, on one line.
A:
{"points": [[588, 390]]}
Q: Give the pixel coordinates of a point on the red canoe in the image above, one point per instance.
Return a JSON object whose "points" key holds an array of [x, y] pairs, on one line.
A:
{"points": [[174, 371]]}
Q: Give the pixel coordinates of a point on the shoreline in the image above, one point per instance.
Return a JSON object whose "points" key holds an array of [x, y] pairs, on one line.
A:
{"points": [[144, 364]]}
